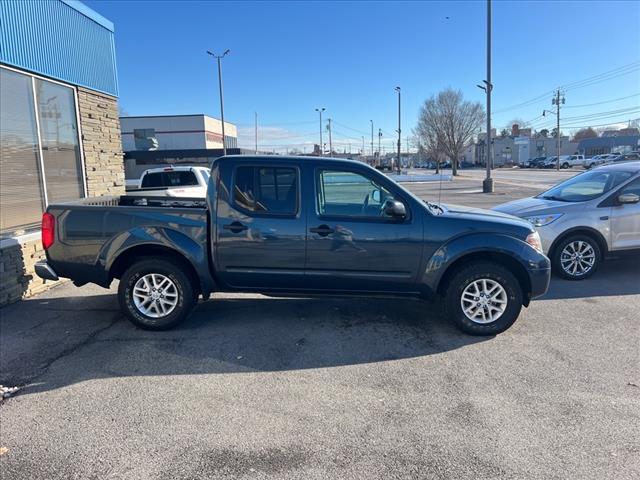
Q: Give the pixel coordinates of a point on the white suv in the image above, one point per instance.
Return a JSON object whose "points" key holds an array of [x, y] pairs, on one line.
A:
{"points": [[585, 217]]}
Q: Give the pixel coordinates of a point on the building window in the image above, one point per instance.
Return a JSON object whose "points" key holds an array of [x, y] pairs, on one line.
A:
{"points": [[145, 138], [40, 160]]}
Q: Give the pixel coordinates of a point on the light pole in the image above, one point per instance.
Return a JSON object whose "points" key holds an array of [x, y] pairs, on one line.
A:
{"points": [[371, 138], [320, 110], [487, 183], [256, 131], [218, 58], [399, 130]]}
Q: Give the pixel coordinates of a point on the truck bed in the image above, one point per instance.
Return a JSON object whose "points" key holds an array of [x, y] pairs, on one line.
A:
{"points": [[139, 201]]}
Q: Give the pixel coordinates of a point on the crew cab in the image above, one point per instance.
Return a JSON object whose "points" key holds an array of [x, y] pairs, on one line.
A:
{"points": [[296, 225], [172, 182]]}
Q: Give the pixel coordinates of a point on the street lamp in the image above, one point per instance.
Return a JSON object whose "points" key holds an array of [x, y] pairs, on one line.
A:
{"points": [[487, 184], [399, 130], [320, 110], [371, 138], [218, 58]]}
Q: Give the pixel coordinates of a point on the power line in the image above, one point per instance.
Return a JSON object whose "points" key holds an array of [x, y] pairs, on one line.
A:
{"points": [[624, 70], [603, 102]]}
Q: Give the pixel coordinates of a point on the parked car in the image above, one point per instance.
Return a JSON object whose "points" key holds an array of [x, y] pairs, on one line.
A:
{"points": [[631, 156], [534, 162], [596, 160], [585, 218], [568, 161], [549, 162], [172, 182], [297, 225]]}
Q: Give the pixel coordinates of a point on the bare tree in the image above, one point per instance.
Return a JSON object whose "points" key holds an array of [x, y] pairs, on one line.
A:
{"points": [[448, 123], [584, 133]]}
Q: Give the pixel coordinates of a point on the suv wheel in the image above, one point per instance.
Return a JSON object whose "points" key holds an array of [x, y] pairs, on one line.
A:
{"points": [[576, 257], [483, 299], [156, 294]]}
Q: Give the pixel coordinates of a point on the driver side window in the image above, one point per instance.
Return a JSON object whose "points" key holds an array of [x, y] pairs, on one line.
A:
{"points": [[349, 194]]}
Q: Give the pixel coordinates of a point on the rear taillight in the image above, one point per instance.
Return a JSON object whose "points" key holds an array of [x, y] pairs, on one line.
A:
{"points": [[48, 230]]}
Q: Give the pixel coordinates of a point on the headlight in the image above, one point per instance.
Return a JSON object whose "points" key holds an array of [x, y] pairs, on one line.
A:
{"points": [[533, 239], [542, 220]]}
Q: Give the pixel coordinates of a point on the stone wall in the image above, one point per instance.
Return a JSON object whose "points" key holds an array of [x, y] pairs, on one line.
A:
{"points": [[17, 277], [101, 142], [104, 169]]}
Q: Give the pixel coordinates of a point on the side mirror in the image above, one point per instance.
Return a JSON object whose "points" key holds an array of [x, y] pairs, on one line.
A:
{"points": [[627, 198], [376, 196], [395, 209]]}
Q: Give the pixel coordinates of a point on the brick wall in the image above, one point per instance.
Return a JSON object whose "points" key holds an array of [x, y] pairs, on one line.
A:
{"points": [[102, 144], [104, 169], [17, 277]]}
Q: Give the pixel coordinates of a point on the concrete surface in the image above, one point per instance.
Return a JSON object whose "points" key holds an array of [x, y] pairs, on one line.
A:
{"points": [[258, 387]]}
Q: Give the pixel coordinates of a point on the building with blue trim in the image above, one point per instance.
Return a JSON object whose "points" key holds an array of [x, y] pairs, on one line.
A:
{"points": [[59, 126]]}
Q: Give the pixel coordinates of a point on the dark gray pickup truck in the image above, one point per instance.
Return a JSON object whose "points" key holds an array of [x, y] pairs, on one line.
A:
{"points": [[289, 225]]}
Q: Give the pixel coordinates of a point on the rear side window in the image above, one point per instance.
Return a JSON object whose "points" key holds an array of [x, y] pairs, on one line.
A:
{"points": [[269, 190], [182, 178]]}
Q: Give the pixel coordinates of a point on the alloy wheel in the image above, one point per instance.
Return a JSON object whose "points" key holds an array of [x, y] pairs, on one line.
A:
{"points": [[484, 301], [155, 295], [577, 258]]}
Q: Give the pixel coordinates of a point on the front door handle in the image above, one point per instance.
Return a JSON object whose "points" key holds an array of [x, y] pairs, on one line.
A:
{"points": [[235, 227], [322, 230]]}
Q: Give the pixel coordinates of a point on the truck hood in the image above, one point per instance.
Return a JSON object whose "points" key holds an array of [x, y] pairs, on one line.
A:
{"points": [[486, 216], [531, 205]]}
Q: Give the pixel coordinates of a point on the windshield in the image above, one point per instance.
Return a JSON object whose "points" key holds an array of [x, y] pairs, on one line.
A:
{"points": [[586, 186]]}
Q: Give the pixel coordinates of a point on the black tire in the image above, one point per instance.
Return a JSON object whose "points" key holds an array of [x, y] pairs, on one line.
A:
{"points": [[556, 260], [478, 271], [186, 298], [565, 165]]}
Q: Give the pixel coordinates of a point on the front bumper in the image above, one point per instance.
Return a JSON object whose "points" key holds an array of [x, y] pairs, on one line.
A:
{"points": [[44, 270], [539, 278]]}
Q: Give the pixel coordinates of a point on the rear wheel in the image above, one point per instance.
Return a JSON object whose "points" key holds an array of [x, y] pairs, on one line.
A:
{"points": [[576, 257], [483, 299], [565, 165], [156, 294]]}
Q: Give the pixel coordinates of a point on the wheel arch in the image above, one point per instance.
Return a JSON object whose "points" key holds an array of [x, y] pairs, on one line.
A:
{"points": [[500, 258], [587, 231]]}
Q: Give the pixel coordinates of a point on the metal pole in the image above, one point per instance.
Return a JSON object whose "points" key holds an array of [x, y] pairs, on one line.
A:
{"points": [[558, 130], [256, 131], [371, 138], [379, 138], [320, 110], [363, 145], [330, 142], [399, 132], [218, 58], [487, 184], [224, 140]]}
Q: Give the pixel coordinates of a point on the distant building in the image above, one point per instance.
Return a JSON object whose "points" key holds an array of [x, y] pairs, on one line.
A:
{"points": [[511, 150], [175, 132], [608, 144]]}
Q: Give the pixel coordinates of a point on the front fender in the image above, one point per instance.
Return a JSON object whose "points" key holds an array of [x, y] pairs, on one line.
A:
{"points": [[195, 252], [479, 243]]}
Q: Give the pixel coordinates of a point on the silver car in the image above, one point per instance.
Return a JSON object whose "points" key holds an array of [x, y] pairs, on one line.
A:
{"points": [[586, 217]]}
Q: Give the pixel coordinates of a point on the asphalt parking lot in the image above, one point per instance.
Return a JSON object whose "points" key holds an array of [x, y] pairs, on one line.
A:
{"points": [[259, 387]]}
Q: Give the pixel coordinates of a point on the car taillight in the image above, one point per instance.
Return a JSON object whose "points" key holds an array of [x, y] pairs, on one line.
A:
{"points": [[48, 228]]}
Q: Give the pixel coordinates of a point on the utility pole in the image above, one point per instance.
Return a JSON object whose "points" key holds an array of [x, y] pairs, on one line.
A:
{"points": [[371, 138], [557, 101], [379, 139], [330, 142], [320, 110], [220, 57], [363, 145], [399, 131], [256, 131]]}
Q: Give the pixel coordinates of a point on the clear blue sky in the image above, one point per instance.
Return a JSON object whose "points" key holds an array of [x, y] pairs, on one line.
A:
{"points": [[287, 58]]}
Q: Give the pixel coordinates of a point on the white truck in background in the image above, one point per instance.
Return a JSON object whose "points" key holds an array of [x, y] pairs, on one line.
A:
{"points": [[171, 182]]}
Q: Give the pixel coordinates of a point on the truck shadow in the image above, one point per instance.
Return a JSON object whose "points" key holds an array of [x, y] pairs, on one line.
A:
{"points": [[615, 277], [250, 334]]}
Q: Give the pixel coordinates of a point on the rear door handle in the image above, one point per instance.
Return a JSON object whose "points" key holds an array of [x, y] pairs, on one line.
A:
{"points": [[235, 227], [322, 230]]}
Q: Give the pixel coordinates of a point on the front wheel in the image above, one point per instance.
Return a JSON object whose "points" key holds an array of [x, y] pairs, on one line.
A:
{"points": [[576, 257], [565, 165], [156, 294], [483, 299]]}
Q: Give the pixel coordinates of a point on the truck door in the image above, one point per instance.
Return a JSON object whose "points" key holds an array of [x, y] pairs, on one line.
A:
{"points": [[260, 226], [351, 244]]}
